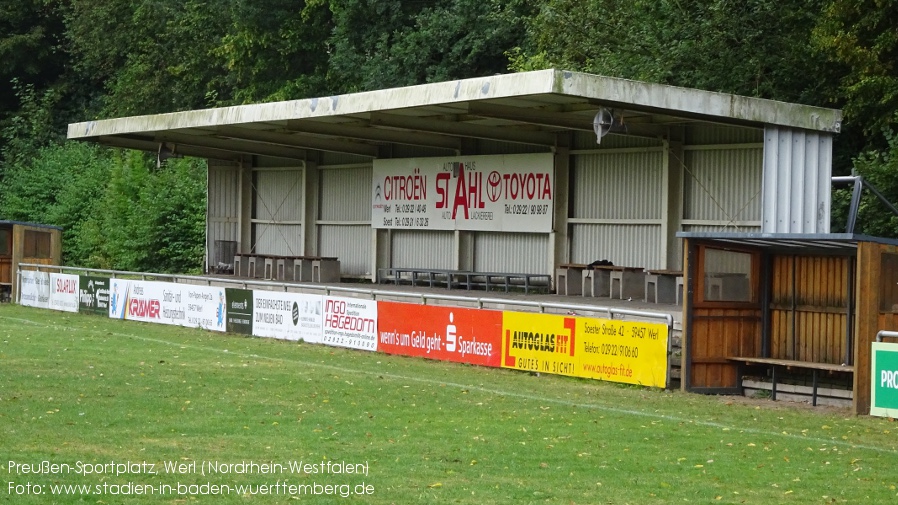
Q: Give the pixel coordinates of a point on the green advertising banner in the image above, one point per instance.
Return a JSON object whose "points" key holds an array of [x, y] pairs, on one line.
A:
{"points": [[93, 295], [884, 380], [240, 310]]}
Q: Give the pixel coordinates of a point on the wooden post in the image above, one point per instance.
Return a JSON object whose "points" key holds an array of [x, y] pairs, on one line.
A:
{"points": [[867, 317]]}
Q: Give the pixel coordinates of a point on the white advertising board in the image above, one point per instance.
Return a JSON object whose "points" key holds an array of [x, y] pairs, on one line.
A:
{"points": [[64, 292], [350, 322], [288, 316], [168, 303], [510, 193], [35, 290]]}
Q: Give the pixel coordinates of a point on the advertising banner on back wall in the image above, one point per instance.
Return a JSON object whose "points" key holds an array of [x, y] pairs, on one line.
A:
{"points": [[511, 193]]}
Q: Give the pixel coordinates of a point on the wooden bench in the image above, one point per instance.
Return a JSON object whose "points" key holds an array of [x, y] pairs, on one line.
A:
{"points": [[664, 286], [788, 364], [435, 277], [287, 268]]}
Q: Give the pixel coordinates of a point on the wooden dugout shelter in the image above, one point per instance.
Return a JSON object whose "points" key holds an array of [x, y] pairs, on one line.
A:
{"points": [[794, 302], [26, 243]]}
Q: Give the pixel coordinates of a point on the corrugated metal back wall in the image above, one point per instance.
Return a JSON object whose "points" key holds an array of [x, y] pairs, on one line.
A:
{"points": [[278, 205], [344, 221], [617, 186], [722, 185], [511, 252], [222, 207], [422, 249]]}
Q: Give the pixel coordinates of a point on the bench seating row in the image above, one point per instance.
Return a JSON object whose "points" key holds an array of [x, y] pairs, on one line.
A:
{"points": [[287, 268], [653, 286], [464, 279]]}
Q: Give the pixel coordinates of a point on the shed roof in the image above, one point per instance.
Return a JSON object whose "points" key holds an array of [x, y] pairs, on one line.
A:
{"points": [[34, 225], [528, 107], [791, 243]]}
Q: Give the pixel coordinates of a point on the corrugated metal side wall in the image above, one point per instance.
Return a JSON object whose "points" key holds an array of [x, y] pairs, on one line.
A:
{"points": [[625, 245], [344, 217], [422, 249], [722, 187], [511, 252], [617, 207], [222, 207], [797, 181], [278, 211]]}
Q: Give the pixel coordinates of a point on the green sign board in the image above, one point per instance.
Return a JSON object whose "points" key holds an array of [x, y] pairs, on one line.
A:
{"points": [[240, 310], [884, 380]]}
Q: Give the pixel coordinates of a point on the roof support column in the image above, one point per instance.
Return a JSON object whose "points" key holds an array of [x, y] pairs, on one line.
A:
{"points": [[672, 200], [559, 239], [245, 207]]}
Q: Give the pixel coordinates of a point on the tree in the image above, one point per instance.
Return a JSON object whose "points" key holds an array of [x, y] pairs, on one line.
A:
{"points": [[380, 44], [862, 36], [755, 48]]}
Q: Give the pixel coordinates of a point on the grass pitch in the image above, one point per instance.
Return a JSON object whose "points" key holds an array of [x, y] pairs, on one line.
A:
{"points": [[89, 405]]}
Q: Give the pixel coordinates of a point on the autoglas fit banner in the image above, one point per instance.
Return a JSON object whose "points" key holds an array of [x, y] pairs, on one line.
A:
{"points": [[619, 351]]}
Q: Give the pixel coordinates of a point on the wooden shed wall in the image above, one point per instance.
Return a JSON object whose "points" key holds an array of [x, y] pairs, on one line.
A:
{"points": [[809, 307], [6, 272], [19, 249], [717, 330], [877, 309], [718, 333]]}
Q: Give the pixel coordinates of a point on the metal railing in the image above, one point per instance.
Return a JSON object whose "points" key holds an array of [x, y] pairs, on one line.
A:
{"points": [[885, 334], [373, 294]]}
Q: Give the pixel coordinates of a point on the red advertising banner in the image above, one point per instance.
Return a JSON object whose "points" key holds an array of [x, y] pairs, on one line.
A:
{"points": [[456, 334]]}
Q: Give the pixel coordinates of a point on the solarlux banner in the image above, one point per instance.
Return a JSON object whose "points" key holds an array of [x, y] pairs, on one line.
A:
{"points": [[168, 303], [457, 334], [64, 292], [487, 193]]}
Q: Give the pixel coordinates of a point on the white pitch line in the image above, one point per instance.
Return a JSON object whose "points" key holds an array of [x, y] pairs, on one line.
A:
{"points": [[498, 392]]}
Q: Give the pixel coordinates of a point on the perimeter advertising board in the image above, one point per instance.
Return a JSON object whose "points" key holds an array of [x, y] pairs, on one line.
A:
{"points": [[168, 303], [884, 380], [605, 349], [35, 289], [239, 317], [287, 316], [511, 193], [457, 334], [350, 322], [93, 295], [64, 292]]}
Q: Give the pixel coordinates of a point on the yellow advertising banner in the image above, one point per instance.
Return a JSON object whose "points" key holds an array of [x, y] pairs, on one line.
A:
{"points": [[631, 352]]}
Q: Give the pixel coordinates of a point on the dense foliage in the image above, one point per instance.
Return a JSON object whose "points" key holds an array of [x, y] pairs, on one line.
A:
{"points": [[72, 60]]}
